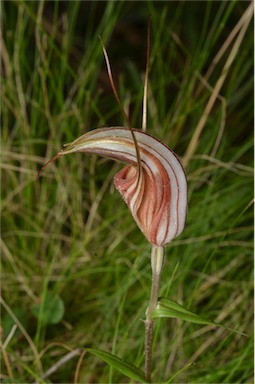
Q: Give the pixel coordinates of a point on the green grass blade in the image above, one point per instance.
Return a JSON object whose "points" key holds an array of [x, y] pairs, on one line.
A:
{"points": [[122, 366], [178, 372]]}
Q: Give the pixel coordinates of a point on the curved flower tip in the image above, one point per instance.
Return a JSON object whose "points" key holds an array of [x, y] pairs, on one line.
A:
{"points": [[156, 196]]}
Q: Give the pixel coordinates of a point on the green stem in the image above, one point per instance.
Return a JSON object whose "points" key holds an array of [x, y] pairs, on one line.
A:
{"points": [[157, 261]]}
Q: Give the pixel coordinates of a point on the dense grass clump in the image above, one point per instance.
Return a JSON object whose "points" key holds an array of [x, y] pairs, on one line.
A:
{"points": [[75, 268]]}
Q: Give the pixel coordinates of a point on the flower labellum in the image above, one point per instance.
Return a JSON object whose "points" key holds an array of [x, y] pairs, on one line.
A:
{"points": [[157, 195]]}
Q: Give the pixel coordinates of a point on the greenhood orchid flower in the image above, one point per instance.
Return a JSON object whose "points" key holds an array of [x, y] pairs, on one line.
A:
{"points": [[155, 190]]}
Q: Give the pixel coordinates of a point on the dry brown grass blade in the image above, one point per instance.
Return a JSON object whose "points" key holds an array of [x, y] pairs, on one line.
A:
{"points": [[48, 162], [203, 82], [121, 108], [112, 83], [145, 90], [223, 49], [4, 352], [59, 363], [200, 126], [78, 367], [5, 57], [24, 332], [17, 73]]}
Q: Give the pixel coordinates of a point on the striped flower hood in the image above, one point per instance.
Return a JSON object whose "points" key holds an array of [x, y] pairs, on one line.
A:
{"points": [[155, 192]]}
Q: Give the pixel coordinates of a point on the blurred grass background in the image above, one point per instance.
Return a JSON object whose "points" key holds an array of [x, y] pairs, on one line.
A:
{"points": [[69, 236]]}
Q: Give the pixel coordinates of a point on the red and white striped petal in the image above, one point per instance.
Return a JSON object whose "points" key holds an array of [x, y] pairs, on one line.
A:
{"points": [[158, 197]]}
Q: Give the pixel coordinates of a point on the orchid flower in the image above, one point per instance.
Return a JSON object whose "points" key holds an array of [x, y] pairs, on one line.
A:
{"points": [[157, 196]]}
